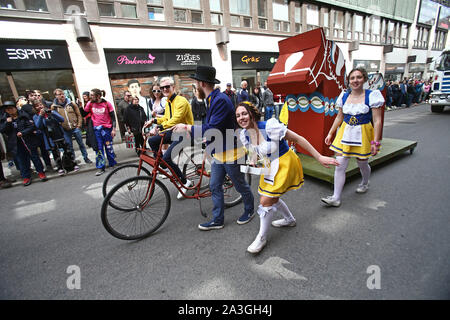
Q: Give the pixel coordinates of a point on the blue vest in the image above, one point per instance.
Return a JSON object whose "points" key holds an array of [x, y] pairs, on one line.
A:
{"points": [[360, 118]]}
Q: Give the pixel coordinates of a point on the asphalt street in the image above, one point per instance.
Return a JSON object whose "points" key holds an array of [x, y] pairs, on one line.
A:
{"points": [[399, 231]]}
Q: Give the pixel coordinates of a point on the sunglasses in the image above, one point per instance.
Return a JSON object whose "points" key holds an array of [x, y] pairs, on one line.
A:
{"points": [[166, 87], [156, 91]]}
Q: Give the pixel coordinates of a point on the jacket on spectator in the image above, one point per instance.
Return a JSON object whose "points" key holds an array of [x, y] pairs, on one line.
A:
{"points": [[71, 114]]}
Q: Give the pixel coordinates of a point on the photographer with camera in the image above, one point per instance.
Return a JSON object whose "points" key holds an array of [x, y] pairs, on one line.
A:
{"points": [[49, 121]]}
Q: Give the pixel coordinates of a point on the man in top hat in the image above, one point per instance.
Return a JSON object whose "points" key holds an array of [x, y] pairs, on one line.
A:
{"points": [[220, 116]]}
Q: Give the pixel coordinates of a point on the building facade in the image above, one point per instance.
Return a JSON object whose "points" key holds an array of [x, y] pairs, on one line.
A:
{"points": [[83, 44]]}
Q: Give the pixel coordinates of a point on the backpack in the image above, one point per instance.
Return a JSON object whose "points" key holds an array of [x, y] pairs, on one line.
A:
{"points": [[67, 163]]}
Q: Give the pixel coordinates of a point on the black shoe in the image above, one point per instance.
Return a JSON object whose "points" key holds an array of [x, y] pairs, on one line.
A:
{"points": [[88, 161], [5, 184]]}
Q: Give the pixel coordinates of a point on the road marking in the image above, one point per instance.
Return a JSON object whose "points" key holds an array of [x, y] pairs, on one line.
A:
{"points": [[336, 221], [29, 210], [273, 267], [215, 288]]}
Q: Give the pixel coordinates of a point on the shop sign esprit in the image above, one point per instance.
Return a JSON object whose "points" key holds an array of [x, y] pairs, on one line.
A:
{"points": [[19, 56]]}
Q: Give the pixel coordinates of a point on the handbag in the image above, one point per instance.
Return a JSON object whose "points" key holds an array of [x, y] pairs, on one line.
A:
{"points": [[130, 142]]}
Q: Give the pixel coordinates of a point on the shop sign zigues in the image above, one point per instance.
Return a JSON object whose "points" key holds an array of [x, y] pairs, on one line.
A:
{"points": [[23, 54], [123, 59], [188, 59]]}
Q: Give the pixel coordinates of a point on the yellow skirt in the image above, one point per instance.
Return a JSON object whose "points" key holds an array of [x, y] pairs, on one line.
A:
{"points": [[362, 152], [288, 177]]}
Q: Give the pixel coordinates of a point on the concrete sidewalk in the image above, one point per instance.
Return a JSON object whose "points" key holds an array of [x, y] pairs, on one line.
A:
{"points": [[123, 155]]}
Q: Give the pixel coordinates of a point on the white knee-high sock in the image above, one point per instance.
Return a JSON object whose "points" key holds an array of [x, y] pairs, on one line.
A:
{"points": [[284, 210], [265, 220], [365, 169], [339, 176]]}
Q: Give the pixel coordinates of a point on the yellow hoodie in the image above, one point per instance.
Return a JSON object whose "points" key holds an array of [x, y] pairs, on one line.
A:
{"points": [[177, 111]]}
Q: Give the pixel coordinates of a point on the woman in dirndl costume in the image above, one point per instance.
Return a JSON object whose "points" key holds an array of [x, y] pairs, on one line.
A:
{"points": [[356, 136], [283, 166]]}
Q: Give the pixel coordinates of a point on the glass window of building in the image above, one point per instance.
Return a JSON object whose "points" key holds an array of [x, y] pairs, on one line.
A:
{"points": [[190, 4], [280, 10], [247, 22], [196, 17], [338, 24], [391, 33], [180, 15], [240, 7], [155, 2], [404, 35], [367, 24], [106, 9], [36, 5], [281, 15], [235, 21], [312, 17], [298, 17], [326, 22], [129, 11], [262, 8], [7, 4], [262, 24], [156, 14], [216, 19], [349, 23], [358, 22], [73, 7], [376, 28], [215, 5]]}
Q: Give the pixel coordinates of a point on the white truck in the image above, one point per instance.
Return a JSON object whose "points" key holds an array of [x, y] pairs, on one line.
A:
{"points": [[440, 94]]}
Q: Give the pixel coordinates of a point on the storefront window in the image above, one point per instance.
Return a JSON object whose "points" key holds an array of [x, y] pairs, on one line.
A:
{"points": [[5, 89], [46, 81], [36, 5]]}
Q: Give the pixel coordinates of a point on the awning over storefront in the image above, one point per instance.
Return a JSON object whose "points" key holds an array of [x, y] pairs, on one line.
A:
{"points": [[33, 55], [247, 60], [154, 60]]}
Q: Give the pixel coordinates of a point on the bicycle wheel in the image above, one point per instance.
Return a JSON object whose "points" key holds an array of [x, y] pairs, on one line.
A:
{"points": [[192, 167], [138, 220], [231, 196], [121, 173]]}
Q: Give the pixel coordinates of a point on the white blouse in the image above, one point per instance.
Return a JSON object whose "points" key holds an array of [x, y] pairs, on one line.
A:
{"points": [[376, 100]]}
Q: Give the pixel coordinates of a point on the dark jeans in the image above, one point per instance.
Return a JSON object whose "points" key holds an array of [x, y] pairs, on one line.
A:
{"points": [[154, 143], [44, 151], [23, 157], [268, 112], [218, 172]]}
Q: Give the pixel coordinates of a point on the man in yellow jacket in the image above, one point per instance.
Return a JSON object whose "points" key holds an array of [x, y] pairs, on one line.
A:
{"points": [[178, 110]]}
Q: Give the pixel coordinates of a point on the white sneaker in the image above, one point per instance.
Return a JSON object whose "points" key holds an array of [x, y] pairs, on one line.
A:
{"points": [[331, 201], [283, 223], [180, 195], [362, 188], [257, 245]]}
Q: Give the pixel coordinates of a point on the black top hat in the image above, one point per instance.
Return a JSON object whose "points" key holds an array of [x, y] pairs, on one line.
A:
{"points": [[7, 104], [206, 74]]}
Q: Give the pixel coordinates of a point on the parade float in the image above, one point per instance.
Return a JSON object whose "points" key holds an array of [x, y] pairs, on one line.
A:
{"points": [[310, 72]]}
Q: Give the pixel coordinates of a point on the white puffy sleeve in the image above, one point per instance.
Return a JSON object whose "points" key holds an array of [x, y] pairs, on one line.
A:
{"points": [[243, 138], [339, 103], [275, 130], [376, 99]]}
